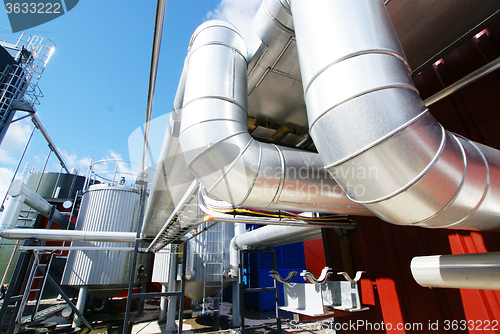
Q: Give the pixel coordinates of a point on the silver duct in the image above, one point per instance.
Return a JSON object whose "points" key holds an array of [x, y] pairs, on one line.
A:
{"points": [[220, 152], [367, 119], [22, 194], [172, 178], [463, 271], [67, 235], [268, 236]]}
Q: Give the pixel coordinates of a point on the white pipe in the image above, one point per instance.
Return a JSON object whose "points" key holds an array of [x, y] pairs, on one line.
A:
{"points": [[67, 235], [190, 272], [238, 230], [268, 236], [463, 271]]}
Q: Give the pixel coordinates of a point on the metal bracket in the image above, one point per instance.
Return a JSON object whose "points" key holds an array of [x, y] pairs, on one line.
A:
{"points": [[308, 275], [323, 297], [274, 274]]}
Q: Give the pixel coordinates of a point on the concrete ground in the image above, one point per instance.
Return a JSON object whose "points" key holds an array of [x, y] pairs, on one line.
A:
{"points": [[109, 320]]}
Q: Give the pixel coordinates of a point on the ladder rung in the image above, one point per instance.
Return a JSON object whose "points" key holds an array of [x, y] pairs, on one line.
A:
{"points": [[34, 290]]}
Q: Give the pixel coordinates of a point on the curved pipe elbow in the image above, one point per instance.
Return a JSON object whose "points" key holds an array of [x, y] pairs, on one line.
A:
{"points": [[234, 261], [220, 152], [403, 166]]}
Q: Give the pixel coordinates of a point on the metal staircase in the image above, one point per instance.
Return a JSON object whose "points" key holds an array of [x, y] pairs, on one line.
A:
{"points": [[19, 81]]}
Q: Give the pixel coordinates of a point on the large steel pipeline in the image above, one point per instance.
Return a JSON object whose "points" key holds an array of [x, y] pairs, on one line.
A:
{"points": [[220, 152], [365, 114]]}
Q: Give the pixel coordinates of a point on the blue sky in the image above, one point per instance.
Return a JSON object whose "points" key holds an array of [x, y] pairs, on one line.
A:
{"points": [[96, 82]]}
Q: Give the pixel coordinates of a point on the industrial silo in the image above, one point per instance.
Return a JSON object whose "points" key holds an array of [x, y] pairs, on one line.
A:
{"points": [[106, 270], [56, 185]]}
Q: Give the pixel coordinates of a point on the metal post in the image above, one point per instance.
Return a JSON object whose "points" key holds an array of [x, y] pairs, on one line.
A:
{"points": [[80, 305], [238, 229], [144, 190], [24, 283], [163, 305], [172, 300], [43, 170], [10, 263], [276, 295], [183, 287], [17, 279], [241, 295]]}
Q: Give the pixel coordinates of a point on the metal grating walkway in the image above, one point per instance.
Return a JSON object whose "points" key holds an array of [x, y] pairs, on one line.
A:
{"points": [[185, 217]]}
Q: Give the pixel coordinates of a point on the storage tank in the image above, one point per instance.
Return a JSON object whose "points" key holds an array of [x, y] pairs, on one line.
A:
{"points": [[207, 261], [106, 272], [56, 185]]}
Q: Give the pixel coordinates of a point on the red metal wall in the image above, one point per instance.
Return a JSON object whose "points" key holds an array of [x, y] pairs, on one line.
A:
{"points": [[384, 251]]}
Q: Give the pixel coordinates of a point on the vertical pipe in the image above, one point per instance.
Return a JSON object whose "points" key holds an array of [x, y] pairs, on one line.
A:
{"points": [[183, 288], [238, 229], [80, 305], [172, 300]]}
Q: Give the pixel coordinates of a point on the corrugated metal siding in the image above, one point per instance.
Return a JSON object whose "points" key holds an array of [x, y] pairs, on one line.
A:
{"points": [[211, 258], [104, 208]]}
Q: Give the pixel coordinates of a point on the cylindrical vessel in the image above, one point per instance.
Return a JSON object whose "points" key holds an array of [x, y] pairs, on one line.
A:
{"points": [[105, 208]]}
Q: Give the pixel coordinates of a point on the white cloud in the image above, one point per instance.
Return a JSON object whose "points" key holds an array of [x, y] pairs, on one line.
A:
{"points": [[5, 178], [239, 13], [14, 142], [73, 161]]}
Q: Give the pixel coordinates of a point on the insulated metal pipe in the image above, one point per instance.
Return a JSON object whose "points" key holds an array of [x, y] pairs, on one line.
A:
{"points": [[463, 271], [220, 152], [13, 209], [268, 236], [67, 235], [172, 178], [372, 130], [31, 198]]}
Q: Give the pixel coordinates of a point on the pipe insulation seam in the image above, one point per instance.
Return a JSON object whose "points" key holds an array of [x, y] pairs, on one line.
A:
{"points": [[415, 181], [215, 94]]}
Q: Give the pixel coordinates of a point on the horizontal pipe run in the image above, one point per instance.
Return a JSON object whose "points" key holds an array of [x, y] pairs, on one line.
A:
{"points": [[80, 248], [266, 237], [463, 271], [68, 235], [465, 81]]}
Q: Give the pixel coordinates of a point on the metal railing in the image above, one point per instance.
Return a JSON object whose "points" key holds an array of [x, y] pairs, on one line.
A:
{"points": [[115, 172]]}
